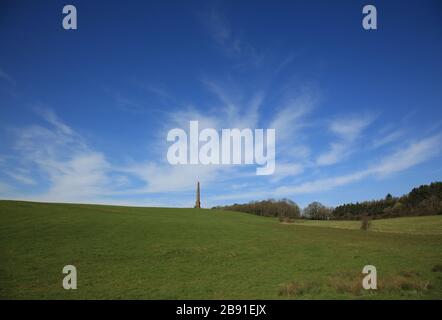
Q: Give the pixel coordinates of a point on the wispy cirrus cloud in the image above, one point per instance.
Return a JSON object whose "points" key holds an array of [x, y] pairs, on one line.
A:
{"points": [[77, 173], [22, 176], [388, 138], [289, 119], [347, 130], [288, 169], [235, 110], [5, 189], [227, 39], [58, 165], [413, 154], [324, 184]]}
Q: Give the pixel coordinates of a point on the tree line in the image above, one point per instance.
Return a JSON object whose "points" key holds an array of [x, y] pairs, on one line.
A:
{"points": [[284, 209], [424, 200]]}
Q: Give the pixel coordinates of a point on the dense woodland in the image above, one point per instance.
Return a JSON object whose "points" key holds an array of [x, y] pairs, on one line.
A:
{"points": [[424, 200]]}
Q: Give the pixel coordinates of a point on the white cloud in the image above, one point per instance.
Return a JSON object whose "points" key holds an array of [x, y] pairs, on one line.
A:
{"points": [[290, 117], [74, 171], [414, 154], [322, 184], [22, 178], [336, 152], [350, 128], [284, 170], [388, 138], [84, 176], [234, 112], [291, 150], [5, 189], [347, 130], [77, 173], [172, 178]]}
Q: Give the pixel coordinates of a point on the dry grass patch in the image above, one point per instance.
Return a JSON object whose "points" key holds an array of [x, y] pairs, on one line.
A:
{"points": [[351, 283], [296, 288], [404, 283], [346, 282]]}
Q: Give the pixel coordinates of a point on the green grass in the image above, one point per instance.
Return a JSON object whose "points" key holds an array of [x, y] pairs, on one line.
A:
{"points": [[161, 253], [412, 225]]}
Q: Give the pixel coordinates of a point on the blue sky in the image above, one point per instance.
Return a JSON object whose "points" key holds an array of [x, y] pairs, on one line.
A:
{"points": [[84, 114]]}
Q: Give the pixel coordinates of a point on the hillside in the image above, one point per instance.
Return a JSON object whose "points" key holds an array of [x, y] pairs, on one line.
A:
{"points": [[161, 253]]}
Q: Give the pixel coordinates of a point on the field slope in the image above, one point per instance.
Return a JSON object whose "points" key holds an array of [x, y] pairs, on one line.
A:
{"points": [[161, 253]]}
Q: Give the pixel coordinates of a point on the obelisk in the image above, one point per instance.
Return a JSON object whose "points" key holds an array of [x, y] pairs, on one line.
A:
{"points": [[198, 202]]}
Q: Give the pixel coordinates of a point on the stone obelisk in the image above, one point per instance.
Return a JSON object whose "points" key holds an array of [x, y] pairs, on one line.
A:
{"points": [[198, 202]]}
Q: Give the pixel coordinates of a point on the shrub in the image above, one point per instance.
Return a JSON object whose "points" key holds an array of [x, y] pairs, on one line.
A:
{"points": [[365, 223], [437, 268]]}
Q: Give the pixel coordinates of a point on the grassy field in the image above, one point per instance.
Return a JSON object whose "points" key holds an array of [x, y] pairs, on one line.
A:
{"points": [[411, 225], [160, 253]]}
